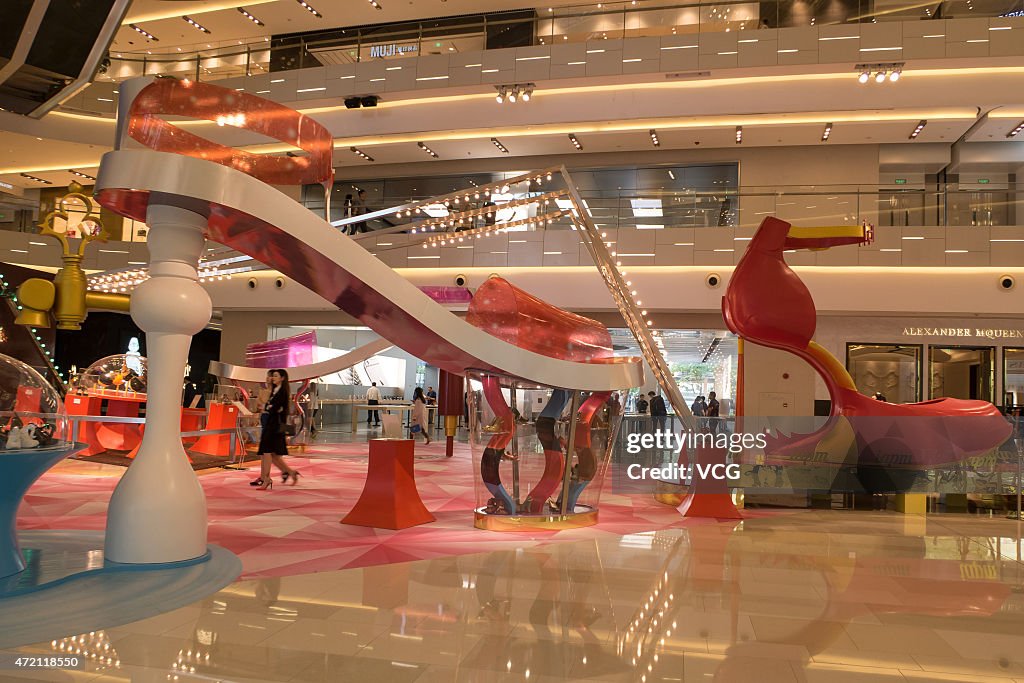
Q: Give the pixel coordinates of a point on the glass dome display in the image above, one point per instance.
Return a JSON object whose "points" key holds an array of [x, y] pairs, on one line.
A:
{"points": [[122, 373], [31, 411], [522, 436]]}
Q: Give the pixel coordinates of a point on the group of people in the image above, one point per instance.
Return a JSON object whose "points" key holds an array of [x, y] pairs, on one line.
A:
{"points": [[654, 403], [418, 422], [355, 206]]}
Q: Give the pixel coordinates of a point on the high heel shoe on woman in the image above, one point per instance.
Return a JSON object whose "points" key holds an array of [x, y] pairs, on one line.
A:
{"points": [[256, 482], [766, 303], [267, 484], [295, 477]]}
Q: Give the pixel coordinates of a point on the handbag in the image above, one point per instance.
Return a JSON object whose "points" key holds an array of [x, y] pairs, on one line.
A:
{"points": [[287, 428], [415, 429]]}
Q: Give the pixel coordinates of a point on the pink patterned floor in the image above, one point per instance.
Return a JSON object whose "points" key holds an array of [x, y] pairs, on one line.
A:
{"points": [[296, 530]]}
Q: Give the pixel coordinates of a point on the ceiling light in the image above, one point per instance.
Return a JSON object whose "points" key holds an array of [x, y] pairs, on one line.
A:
{"points": [[917, 129], [575, 142], [880, 77], [864, 76], [360, 153], [1016, 131], [196, 24], [250, 17], [654, 138], [500, 97], [376, 5], [310, 9], [144, 32], [38, 180], [527, 93], [427, 150], [739, 134], [80, 174], [895, 75], [827, 132], [501, 147]]}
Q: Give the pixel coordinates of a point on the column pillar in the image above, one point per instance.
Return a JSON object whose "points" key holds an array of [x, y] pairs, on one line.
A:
{"points": [[158, 510]]}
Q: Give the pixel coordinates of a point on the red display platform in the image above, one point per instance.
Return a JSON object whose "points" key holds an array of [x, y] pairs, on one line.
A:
{"points": [[87, 431], [711, 497], [222, 416], [191, 419], [389, 499], [120, 437]]}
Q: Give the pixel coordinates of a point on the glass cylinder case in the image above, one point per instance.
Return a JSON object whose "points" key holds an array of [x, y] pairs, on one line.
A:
{"points": [[32, 413], [522, 437]]}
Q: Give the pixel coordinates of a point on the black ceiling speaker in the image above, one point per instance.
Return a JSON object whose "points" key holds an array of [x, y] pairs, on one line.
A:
{"points": [[49, 51], [370, 101], [352, 102]]}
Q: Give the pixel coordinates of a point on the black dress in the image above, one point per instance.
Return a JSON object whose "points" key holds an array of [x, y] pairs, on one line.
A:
{"points": [[272, 437]]}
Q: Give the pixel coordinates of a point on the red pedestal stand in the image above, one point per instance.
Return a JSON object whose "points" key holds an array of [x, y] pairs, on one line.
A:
{"points": [[389, 499], [85, 405], [710, 497], [191, 418], [117, 436], [222, 416]]}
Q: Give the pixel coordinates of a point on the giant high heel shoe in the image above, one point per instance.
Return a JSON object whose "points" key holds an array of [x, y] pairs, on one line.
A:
{"points": [[766, 303]]}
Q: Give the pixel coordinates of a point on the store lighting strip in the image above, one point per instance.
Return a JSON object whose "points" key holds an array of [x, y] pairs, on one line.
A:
{"points": [[195, 24], [654, 138], [144, 32], [360, 153], [250, 17], [827, 132], [497, 143], [1016, 131], [428, 150], [575, 142], [917, 130], [309, 8], [38, 180], [80, 174]]}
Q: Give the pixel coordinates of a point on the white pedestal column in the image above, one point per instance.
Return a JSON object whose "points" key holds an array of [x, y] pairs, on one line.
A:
{"points": [[158, 510]]}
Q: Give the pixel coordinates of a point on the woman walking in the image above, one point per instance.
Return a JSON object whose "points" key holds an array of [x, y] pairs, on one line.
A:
{"points": [[419, 415], [273, 444]]}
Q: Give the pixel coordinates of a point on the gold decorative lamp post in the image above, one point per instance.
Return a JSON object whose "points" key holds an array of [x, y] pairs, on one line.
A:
{"points": [[67, 296]]}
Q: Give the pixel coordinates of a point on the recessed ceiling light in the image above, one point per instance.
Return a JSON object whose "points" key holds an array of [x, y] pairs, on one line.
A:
{"points": [[38, 180], [250, 17], [376, 5], [654, 138], [309, 8], [739, 135], [575, 142], [80, 174], [827, 132], [1016, 131], [917, 129], [360, 153], [143, 32], [501, 147], [427, 150], [196, 24]]}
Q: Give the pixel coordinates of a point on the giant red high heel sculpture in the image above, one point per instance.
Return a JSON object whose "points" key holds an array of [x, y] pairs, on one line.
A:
{"points": [[766, 303]]}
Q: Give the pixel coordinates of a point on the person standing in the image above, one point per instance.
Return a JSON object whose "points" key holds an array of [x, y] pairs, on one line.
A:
{"points": [[273, 444], [712, 411], [432, 401], [641, 405], [373, 399], [659, 411], [418, 419], [359, 209]]}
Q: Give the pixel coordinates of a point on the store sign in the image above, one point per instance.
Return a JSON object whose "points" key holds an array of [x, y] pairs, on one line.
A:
{"points": [[390, 50], [974, 332]]}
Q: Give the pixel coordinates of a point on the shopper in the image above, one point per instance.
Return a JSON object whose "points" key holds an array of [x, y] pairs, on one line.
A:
{"points": [[418, 419], [273, 443], [698, 407], [614, 406], [347, 208], [432, 401], [373, 399], [641, 405], [659, 411], [879, 396], [712, 411], [359, 209]]}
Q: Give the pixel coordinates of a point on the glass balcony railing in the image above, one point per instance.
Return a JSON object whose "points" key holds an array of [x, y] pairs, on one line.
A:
{"points": [[543, 26], [654, 209]]}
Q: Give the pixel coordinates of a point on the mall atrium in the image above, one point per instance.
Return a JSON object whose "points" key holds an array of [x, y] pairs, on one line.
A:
{"points": [[488, 340]]}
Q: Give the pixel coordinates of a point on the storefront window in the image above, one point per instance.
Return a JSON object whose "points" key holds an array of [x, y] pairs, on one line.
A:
{"points": [[892, 370], [962, 372], [1013, 378]]}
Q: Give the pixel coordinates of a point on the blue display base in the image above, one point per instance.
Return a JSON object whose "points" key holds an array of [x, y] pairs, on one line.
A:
{"points": [[68, 588]]}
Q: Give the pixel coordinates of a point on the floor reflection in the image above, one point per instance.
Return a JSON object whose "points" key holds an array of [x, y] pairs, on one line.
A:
{"points": [[819, 596]]}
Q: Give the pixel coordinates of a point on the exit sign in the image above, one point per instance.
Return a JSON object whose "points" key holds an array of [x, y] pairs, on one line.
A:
{"points": [[983, 181], [901, 181]]}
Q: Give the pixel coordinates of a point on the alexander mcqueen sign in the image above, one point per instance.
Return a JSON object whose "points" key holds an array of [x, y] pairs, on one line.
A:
{"points": [[975, 332]]}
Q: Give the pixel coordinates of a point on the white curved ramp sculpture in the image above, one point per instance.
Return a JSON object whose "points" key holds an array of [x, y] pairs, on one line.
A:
{"points": [[298, 373]]}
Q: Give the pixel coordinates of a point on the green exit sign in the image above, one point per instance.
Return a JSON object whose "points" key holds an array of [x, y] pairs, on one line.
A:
{"points": [[901, 181], [983, 181]]}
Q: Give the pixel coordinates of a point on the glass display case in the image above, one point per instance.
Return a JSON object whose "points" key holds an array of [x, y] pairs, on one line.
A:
{"points": [[541, 453], [120, 375]]}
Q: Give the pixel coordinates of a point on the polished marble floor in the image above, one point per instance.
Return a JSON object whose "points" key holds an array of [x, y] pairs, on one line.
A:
{"points": [[803, 597]]}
